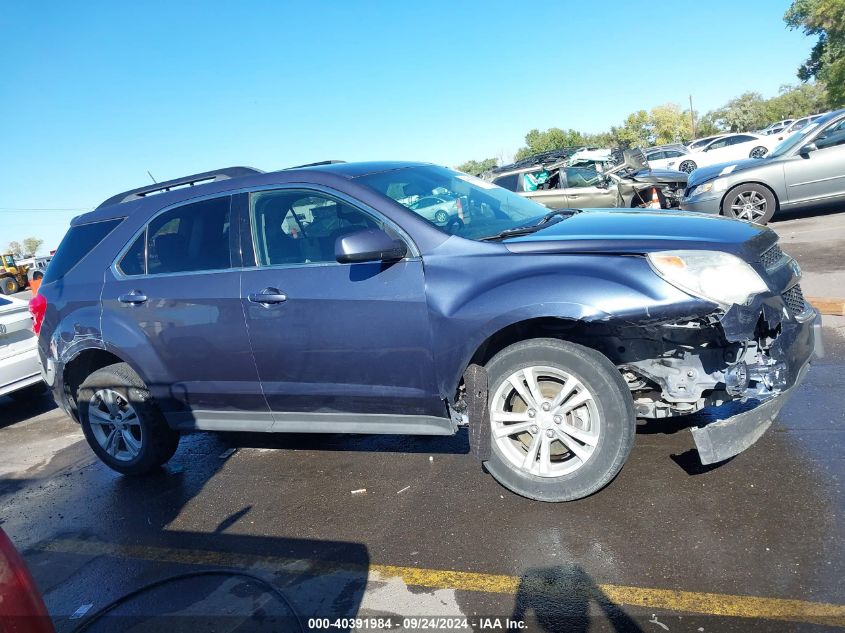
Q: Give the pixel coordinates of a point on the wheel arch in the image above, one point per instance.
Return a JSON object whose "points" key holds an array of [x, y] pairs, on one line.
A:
{"points": [[84, 361]]}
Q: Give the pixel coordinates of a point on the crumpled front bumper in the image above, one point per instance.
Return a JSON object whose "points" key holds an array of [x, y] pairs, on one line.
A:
{"points": [[728, 436]]}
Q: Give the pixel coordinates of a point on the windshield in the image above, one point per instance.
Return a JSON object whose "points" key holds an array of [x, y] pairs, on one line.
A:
{"points": [[793, 140], [465, 205]]}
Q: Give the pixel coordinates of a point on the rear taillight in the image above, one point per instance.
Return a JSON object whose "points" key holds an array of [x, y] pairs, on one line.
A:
{"points": [[21, 606], [37, 308]]}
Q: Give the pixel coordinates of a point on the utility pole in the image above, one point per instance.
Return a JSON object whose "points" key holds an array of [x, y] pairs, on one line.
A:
{"points": [[692, 116]]}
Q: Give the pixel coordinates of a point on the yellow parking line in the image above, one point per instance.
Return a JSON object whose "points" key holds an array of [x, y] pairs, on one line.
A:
{"points": [[716, 604]]}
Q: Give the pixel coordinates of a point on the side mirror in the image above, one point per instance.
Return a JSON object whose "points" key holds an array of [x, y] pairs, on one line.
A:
{"points": [[809, 147], [369, 245]]}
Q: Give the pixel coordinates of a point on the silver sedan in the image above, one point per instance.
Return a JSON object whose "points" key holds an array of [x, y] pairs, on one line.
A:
{"points": [[20, 373], [807, 170]]}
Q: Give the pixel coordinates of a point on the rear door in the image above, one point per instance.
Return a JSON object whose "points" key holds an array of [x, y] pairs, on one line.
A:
{"points": [[818, 177], [172, 303], [339, 347]]}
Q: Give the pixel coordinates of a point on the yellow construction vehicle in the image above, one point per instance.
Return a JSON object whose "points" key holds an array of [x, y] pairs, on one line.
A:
{"points": [[12, 276]]}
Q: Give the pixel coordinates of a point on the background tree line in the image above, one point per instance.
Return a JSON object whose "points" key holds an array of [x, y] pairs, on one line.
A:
{"points": [[670, 123], [27, 247]]}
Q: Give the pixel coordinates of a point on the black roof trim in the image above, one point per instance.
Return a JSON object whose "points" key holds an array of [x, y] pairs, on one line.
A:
{"points": [[194, 179], [317, 164]]}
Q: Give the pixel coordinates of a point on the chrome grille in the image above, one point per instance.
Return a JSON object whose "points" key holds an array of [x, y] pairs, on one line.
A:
{"points": [[794, 299], [771, 257]]}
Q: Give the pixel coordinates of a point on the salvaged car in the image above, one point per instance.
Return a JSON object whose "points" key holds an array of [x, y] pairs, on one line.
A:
{"points": [[807, 170], [192, 305], [557, 184]]}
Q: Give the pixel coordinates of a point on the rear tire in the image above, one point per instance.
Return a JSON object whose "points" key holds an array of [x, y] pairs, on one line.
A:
{"points": [[758, 152], [9, 286], [122, 423], [687, 166], [573, 415]]}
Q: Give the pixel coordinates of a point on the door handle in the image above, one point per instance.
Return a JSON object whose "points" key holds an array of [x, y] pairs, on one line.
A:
{"points": [[136, 297], [268, 296]]}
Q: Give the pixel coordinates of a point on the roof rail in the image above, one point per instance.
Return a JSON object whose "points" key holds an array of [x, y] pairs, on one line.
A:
{"points": [[317, 164], [186, 181]]}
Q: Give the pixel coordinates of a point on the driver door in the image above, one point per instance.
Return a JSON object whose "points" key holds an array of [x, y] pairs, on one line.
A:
{"points": [[338, 347], [586, 187], [819, 176]]}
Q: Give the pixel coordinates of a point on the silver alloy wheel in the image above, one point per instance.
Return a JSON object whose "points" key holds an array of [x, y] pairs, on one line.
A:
{"points": [[687, 166], [749, 206], [758, 152], [115, 425], [545, 421]]}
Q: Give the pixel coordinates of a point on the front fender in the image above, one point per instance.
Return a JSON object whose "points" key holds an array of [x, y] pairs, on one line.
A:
{"points": [[489, 293]]}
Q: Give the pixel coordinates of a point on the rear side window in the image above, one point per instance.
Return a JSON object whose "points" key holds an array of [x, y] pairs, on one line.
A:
{"points": [[77, 243], [192, 237], [509, 182]]}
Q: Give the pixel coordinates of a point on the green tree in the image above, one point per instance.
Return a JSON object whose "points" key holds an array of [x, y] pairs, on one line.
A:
{"points": [[31, 246], [826, 20], [551, 139], [796, 101], [15, 249], [669, 124], [746, 112], [477, 167]]}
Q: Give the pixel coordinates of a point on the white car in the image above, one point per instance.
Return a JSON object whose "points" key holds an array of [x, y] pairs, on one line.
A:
{"points": [[438, 209], [20, 372], [724, 149], [662, 158]]}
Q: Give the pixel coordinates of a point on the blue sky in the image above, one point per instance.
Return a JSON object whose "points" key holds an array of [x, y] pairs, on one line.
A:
{"points": [[94, 94]]}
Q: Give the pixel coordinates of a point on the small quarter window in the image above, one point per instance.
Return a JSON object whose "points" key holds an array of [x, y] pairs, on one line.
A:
{"points": [[134, 262]]}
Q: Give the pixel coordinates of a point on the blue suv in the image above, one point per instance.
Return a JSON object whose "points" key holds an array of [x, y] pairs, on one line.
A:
{"points": [[323, 299]]}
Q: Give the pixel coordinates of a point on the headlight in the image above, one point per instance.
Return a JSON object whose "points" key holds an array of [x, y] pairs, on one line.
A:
{"points": [[713, 275], [714, 185]]}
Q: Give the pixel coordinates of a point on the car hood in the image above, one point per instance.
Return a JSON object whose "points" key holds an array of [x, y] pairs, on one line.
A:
{"points": [[703, 174], [630, 231]]}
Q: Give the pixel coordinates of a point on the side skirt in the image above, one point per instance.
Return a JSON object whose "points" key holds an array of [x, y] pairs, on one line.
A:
{"points": [[265, 422]]}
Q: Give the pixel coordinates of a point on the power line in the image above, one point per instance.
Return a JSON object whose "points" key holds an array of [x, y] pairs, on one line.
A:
{"points": [[40, 209]]}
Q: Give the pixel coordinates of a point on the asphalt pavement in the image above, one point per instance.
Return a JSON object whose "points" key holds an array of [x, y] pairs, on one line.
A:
{"points": [[389, 529]]}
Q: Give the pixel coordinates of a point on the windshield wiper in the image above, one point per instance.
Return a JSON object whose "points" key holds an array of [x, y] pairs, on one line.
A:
{"points": [[531, 228]]}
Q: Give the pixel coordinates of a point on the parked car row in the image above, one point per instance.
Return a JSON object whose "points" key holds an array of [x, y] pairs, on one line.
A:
{"points": [[556, 183], [806, 170]]}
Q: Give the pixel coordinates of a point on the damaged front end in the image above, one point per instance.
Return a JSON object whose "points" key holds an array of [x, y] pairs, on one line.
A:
{"points": [[741, 365]]}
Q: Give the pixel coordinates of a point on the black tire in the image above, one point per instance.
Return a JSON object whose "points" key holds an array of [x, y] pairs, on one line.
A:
{"points": [[758, 152], [687, 166], [8, 286], [158, 442], [613, 402], [747, 191], [29, 393]]}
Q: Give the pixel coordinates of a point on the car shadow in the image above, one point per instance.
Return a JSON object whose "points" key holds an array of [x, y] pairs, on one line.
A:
{"points": [[14, 411]]}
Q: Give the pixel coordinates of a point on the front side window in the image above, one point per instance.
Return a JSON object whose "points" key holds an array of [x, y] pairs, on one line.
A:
{"points": [[831, 137], [190, 238], [481, 209], [582, 177], [301, 227], [722, 142]]}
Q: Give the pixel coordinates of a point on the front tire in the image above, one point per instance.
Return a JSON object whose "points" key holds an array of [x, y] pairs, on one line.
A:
{"points": [[758, 152], [562, 420], [122, 423], [750, 202], [8, 286]]}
